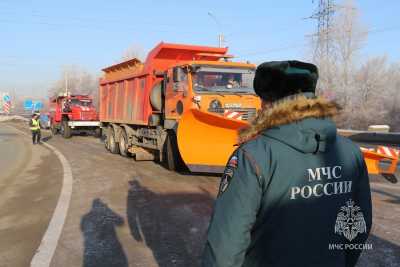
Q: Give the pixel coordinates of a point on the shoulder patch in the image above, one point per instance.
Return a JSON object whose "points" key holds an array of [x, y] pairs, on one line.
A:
{"points": [[233, 162], [228, 174]]}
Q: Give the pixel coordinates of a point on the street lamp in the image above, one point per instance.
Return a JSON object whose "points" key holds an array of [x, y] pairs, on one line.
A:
{"points": [[220, 35]]}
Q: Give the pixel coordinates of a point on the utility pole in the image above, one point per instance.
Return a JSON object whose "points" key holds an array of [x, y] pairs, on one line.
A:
{"points": [[66, 83], [221, 38], [323, 50]]}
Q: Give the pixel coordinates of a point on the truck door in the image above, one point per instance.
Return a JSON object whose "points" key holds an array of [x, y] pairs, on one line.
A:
{"points": [[176, 92], [58, 109]]}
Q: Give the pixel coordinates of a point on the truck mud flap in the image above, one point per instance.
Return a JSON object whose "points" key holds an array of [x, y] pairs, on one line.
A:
{"points": [[375, 163]]}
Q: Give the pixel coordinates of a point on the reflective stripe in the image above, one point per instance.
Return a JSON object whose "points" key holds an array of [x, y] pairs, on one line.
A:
{"points": [[35, 125]]}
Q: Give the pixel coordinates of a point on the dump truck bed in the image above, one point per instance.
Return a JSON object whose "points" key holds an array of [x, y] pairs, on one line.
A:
{"points": [[125, 87], [121, 94]]}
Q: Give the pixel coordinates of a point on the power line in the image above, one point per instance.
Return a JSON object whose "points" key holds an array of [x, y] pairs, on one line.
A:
{"points": [[277, 49], [97, 21], [323, 15], [88, 27], [299, 45], [96, 24], [221, 37]]}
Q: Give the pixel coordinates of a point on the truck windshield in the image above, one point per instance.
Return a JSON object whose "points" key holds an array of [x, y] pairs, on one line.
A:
{"points": [[227, 80], [81, 102]]}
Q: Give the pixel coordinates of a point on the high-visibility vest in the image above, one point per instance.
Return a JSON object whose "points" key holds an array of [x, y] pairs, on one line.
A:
{"points": [[35, 125]]}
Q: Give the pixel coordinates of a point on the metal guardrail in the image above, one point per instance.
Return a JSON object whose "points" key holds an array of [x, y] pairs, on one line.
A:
{"points": [[372, 137]]}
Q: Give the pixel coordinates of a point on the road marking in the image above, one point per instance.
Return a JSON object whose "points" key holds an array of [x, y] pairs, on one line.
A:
{"points": [[48, 245]]}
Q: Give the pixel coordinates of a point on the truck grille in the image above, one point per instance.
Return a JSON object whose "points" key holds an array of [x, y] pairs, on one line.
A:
{"points": [[86, 115], [247, 114]]}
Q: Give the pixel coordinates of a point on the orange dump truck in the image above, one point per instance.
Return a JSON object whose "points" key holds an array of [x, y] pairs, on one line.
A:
{"points": [[182, 106]]}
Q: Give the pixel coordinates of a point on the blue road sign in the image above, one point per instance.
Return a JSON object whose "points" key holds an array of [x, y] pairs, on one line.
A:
{"points": [[28, 104], [38, 105], [6, 98]]}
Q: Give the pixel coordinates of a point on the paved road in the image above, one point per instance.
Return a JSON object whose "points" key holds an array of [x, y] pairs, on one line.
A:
{"points": [[29, 187], [130, 213], [126, 213]]}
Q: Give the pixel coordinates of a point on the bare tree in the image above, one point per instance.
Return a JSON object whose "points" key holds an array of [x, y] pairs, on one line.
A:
{"points": [[353, 84], [366, 104], [392, 96], [134, 51], [346, 37], [77, 80]]}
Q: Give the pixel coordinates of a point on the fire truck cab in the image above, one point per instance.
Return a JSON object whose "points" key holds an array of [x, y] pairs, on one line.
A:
{"points": [[73, 113]]}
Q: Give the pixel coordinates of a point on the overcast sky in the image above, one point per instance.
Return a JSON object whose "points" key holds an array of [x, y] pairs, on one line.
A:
{"points": [[38, 38]]}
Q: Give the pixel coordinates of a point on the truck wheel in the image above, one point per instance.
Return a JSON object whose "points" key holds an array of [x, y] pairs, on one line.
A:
{"points": [[107, 139], [173, 157], [106, 144], [112, 145], [66, 130], [97, 132], [123, 144]]}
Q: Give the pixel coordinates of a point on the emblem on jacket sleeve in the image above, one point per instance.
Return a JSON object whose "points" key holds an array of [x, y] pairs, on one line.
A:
{"points": [[226, 179], [228, 174], [233, 162], [350, 221]]}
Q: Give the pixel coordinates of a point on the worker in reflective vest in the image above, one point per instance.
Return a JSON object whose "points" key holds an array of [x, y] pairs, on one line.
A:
{"points": [[34, 126]]}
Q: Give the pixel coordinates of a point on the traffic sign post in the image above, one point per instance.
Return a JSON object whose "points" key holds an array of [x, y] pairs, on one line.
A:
{"points": [[37, 106], [6, 103], [28, 105], [33, 106], [6, 98]]}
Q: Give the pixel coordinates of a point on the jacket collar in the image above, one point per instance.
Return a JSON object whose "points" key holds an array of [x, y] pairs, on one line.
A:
{"points": [[289, 110]]}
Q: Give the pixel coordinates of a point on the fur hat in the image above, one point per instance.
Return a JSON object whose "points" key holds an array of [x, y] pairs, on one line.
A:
{"points": [[278, 79]]}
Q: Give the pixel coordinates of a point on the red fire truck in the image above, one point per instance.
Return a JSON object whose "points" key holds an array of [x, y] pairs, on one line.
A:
{"points": [[73, 113]]}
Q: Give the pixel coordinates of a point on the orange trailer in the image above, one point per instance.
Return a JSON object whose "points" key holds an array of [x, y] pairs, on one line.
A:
{"points": [[153, 110]]}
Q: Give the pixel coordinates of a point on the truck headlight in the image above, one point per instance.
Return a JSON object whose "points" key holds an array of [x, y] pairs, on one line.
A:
{"points": [[215, 104]]}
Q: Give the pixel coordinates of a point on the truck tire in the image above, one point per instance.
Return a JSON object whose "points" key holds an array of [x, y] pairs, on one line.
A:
{"points": [[173, 158], [97, 132], [112, 145], [123, 143], [106, 144], [107, 139], [66, 130]]}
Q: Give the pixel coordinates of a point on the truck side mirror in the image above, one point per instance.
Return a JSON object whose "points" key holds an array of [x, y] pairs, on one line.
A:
{"points": [[177, 74]]}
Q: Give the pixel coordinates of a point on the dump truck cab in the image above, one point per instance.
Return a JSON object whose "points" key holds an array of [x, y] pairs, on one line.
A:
{"points": [[223, 88]]}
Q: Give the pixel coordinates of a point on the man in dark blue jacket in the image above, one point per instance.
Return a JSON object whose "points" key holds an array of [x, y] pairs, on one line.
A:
{"points": [[294, 193]]}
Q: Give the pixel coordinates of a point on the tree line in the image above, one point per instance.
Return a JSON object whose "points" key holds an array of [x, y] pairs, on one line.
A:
{"points": [[367, 89]]}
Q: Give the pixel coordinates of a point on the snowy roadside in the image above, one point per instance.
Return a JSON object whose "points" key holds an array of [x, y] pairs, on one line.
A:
{"points": [[4, 118]]}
